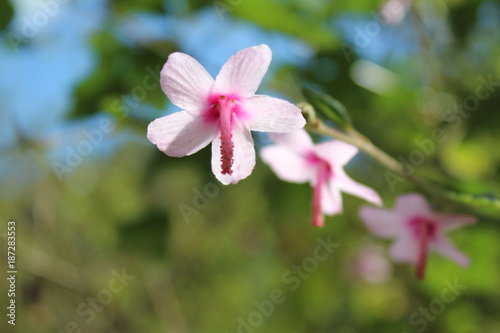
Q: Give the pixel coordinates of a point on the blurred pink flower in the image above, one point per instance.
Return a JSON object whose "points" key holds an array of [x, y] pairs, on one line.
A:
{"points": [[295, 158], [371, 264], [221, 112], [417, 229]]}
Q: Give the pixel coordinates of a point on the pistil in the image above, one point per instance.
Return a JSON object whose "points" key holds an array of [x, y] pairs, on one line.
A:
{"points": [[226, 107], [318, 219], [425, 230]]}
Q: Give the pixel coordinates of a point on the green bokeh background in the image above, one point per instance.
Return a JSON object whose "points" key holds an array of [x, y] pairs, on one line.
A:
{"points": [[203, 272]]}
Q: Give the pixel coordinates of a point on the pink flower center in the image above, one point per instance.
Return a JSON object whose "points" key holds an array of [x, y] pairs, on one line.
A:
{"points": [[323, 173], [424, 230], [223, 109]]}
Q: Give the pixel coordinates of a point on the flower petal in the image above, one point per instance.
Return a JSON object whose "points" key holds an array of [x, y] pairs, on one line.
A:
{"points": [[185, 82], [335, 152], [243, 156], [381, 222], [331, 199], [347, 185], [444, 246], [180, 134], [405, 249], [450, 222], [411, 205], [298, 141], [286, 164], [269, 114], [243, 72]]}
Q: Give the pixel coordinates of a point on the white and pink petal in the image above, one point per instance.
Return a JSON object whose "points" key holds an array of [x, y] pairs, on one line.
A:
{"points": [[243, 72], [445, 247], [287, 164], [412, 205], [269, 114], [298, 141], [336, 153], [347, 185], [185, 82], [451, 221], [331, 199], [180, 134], [405, 249], [381, 222]]}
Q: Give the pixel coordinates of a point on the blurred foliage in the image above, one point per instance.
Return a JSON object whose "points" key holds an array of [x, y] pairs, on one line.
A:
{"points": [[6, 13], [328, 107], [202, 269]]}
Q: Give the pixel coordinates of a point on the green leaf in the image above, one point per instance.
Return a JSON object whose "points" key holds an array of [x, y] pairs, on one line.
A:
{"points": [[485, 206], [6, 13], [328, 107]]}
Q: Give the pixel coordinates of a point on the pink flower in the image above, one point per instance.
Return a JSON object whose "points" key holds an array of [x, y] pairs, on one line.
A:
{"points": [[371, 264], [417, 229], [295, 158], [221, 111]]}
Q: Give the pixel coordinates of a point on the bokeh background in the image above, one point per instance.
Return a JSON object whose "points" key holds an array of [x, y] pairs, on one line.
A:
{"points": [[82, 76]]}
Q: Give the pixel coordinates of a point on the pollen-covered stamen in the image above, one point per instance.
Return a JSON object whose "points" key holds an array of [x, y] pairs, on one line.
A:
{"points": [[226, 151], [318, 219], [424, 229], [226, 109]]}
